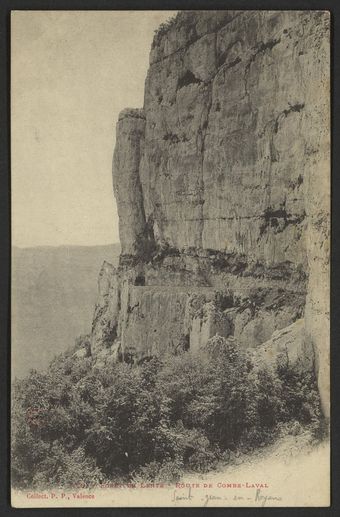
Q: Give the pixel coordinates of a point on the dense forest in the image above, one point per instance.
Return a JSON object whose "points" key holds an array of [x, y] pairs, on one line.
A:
{"points": [[80, 424]]}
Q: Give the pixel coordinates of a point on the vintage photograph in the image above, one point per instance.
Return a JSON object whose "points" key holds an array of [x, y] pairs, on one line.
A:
{"points": [[170, 258]]}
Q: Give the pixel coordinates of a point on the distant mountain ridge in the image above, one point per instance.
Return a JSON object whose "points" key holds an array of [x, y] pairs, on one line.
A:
{"points": [[54, 290]]}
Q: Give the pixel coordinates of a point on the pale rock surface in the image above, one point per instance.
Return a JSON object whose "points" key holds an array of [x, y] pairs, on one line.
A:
{"points": [[290, 344], [222, 186]]}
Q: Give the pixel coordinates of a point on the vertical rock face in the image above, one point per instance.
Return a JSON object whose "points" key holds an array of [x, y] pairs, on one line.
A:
{"points": [[317, 204], [133, 231], [223, 166], [222, 185]]}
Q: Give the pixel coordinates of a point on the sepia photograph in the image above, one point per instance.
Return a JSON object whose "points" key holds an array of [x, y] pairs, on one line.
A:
{"points": [[170, 284]]}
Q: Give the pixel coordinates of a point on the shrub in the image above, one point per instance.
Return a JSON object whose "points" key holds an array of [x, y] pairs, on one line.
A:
{"points": [[163, 29], [167, 471], [154, 420], [60, 469]]}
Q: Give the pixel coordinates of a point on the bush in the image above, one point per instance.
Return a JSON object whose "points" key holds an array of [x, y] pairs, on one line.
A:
{"points": [[163, 29], [60, 469], [154, 420], [167, 471]]}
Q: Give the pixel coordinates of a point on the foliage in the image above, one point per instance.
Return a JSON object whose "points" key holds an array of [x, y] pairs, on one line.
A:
{"points": [[183, 20], [164, 28], [80, 424]]}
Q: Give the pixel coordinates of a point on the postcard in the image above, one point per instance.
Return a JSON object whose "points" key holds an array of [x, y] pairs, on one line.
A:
{"points": [[171, 258]]}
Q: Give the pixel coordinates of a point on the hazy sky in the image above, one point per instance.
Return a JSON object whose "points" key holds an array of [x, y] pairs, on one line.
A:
{"points": [[72, 73]]}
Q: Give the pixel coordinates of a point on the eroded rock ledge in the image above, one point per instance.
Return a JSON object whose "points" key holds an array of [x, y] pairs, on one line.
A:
{"points": [[222, 188]]}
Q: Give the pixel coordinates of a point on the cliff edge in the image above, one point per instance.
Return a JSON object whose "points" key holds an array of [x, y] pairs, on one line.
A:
{"points": [[222, 183]]}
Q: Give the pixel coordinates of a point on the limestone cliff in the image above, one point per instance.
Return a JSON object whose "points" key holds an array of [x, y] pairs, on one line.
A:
{"points": [[222, 188]]}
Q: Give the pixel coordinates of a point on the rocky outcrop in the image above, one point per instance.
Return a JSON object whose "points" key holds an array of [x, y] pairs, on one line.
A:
{"points": [[224, 111], [222, 188], [291, 345], [126, 181]]}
